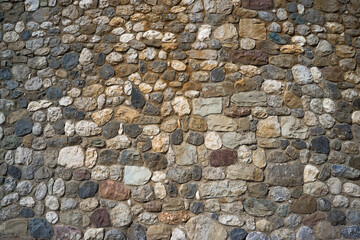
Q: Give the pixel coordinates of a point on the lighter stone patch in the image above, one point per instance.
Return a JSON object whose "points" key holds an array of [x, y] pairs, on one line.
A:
{"points": [[71, 157]]}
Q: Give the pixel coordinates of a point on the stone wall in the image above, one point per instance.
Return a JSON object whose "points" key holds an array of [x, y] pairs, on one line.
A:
{"points": [[180, 119]]}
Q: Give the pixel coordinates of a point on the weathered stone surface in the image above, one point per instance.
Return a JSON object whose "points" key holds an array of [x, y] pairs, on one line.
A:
{"points": [[269, 127], [253, 57], [252, 28], [249, 99], [71, 157], [245, 172], [223, 157], [284, 174], [134, 175], [259, 207], [223, 188], [174, 217], [202, 227], [114, 190]]}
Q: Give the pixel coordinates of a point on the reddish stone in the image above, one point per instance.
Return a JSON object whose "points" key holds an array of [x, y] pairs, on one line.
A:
{"points": [[257, 4], [174, 217], [252, 57], [304, 205], [100, 218], [236, 112], [62, 232], [114, 190], [333, 74], [313, 219], [222, 157], [81, 174], [153, 206]]}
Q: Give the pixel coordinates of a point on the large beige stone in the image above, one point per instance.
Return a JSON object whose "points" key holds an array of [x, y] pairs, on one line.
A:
{"points": [[71, 157], [252, 28], [269, 127], [292, 127]]}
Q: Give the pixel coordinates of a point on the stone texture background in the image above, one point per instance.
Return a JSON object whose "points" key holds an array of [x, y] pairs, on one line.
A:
{"points": [[180, 119]]}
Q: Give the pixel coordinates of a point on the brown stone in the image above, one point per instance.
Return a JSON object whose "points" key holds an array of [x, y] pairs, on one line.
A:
{"points": [[252, 28], [236, 112], [217, 90], [125, 70], [222, 157], [126, 114], [153, 206], [345, 51], [174, 217], [114, 190], [313, 219], [327, 5], [291, 49], [325, 231], [158, 232], [304, 205], [100, 218], [269, 127], [258, 190], [203, 54], [169, 46], [27, 140], [252, 57], [291, 100], [257, 4], [81, 174], [191, 86], [333, 74], [245, 85], [198, 123], [355, 162], [283, 60]]}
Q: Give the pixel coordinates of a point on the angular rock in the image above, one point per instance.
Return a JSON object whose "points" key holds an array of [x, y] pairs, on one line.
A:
{"points": [[114, 190], [251, 57]]}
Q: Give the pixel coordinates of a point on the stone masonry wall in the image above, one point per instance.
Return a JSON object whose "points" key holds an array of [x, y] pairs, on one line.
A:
{"points": [[180, 119]]}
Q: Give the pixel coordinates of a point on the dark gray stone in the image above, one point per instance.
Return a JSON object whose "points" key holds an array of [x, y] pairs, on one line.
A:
{"points": [[132, 130], [238, 234], [195, 138], [197, 207], [155, 161], [23, 127], [70, 60], [14, 171], [5, 74], [188, 190], [137, 231], [352, 232], [217, 75], [151, 110], [27, 212], [111, 129], [259, 207], [108, 156], [88, 189], [179, 174], [343, 131], [320, 145], [353, 216], [176, 137], [336, 217], [114, 234], [137, 99], [39, 228], [106, 72], [130, 157]]}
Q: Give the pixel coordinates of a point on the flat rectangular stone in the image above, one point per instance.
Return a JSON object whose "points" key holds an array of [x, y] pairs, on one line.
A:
{"points": [[244, 172], [249, 99], [252, 57], [252, 28], [218, 89], [206, 106], [257, 4], [203, 54], [223, 188]]}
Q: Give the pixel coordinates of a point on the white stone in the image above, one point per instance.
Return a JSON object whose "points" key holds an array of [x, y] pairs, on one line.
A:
{"points": [[158, 176], [244, 154], [334, 185], [281, 14], [298, 40], [181, 106], [118, 31], [100, 173], [302, 74], [271, 86], [148, 54], [65, 101], [135, 175], [160, 143], [153, 35], [204, 32], [59, 187], [177, 233], [316, 189], [225, 32], [86, 4], [87, 128], [71, 157], [27, 202], [151, 130], [310, 173], [259, 158], [160, 190], [23, 155], [85, 57], [2, 118], [231, 220], [316, 73], [94, 234], [340, 201], [329, 105], [310, 119], [69, 128], [118, 142], [51, 217], [178, 65], [37, 105], [247, 43], [127, 37], [327, 121], [351, 189], [114, 58], [356, 117], [31, 5], [54, 114], [213, 141], [52, 203]]}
